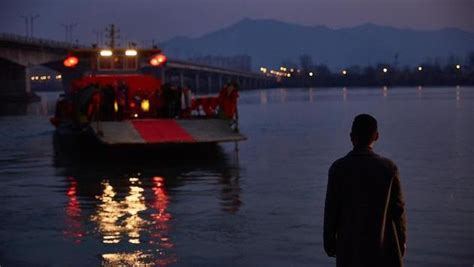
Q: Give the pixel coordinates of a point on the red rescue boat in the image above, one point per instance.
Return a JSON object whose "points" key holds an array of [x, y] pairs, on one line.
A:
{"points": [[116, 98]]}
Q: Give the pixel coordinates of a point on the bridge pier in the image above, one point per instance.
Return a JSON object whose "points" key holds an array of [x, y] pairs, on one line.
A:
{"points": [[221, 83], [197, 82], [181, 79], [15, 84], [209, 83]]}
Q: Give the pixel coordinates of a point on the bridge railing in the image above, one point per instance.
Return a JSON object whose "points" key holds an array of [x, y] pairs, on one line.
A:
{"points": [[189, 65], [35, 41]]}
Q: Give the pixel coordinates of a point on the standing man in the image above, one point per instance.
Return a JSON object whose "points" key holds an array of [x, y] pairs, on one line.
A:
{"points": [[364, 215], [228, 100]]}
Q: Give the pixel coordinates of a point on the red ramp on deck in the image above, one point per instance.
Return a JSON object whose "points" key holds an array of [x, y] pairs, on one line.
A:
{"points": [[161, 131], [165, 131]]}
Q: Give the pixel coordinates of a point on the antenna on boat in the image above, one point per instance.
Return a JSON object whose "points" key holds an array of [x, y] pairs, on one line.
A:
{"points": [[112, 33]]}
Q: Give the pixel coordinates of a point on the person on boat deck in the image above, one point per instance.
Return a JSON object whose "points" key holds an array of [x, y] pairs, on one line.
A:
{"points": [[185, 100], [172, 99], [364, 214], [159, 101], [228, 100], [121, 95], [107, 108]]}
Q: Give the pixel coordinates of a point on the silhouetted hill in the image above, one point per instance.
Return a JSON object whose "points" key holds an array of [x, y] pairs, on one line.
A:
{"points": [[270, 42]]}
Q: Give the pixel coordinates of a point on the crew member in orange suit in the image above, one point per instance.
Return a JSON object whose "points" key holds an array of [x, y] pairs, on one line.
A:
{"points": [[228, 100]]}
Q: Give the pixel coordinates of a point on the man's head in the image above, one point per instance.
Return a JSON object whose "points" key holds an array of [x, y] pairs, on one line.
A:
{"points": [[364, 130]]}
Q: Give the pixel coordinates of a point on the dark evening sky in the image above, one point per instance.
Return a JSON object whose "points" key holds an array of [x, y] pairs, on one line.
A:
{"points": [[164, 19]]}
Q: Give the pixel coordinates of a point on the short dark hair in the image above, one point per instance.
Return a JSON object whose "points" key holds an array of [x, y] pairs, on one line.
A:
{"points": [[364, 127]]}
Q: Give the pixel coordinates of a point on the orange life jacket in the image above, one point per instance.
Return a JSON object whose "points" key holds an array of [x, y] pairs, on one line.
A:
{"points": [[228, 102]]}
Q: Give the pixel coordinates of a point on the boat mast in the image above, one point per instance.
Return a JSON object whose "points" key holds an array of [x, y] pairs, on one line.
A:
{"points": [[112, 33]]}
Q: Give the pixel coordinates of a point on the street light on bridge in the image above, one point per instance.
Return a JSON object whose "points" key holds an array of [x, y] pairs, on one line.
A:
{"points": [[32, 19], [68, 31], [26, 25], [29, 24]]}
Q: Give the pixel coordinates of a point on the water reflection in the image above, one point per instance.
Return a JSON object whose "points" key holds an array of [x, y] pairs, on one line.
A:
{"points": [[458, 93], [230, 192], [263, 97], [161, 215], [311, 95], [44, 107], [108, 213], [74, 229], [419, 90], [15, 109], [283, 94], [136, 258], [126, 220], [127, 209]]}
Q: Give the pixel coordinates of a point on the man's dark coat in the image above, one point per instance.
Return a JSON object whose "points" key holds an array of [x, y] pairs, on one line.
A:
{"points": [[364, 215]]}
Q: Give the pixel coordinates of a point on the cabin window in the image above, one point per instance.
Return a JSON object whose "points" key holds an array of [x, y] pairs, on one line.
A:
{"points": [[130, 63], [117, 63], [105, 63]]}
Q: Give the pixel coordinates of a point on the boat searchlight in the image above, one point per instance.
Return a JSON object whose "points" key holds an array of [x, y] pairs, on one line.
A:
{"points": [[158, 60], [131, 52], [71, 62], [106, 53]]}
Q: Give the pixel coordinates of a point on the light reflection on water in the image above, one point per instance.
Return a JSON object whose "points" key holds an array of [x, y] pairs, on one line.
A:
{"points": [[45, 106], [124, 220], [128, 210], [312, 95], [74, 228]]}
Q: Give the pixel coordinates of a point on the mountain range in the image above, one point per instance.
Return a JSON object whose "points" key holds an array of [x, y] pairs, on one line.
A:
{"points": [[271, 42]]}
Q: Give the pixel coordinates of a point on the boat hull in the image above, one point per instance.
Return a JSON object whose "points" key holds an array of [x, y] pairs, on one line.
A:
{"points": [[158, 132], [192, 136]]}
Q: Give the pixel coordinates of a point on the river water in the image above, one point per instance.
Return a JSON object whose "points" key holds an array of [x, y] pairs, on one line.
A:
{"points": [[259, 206]]}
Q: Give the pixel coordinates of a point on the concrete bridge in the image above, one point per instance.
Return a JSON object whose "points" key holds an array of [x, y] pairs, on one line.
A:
{"points": [[18, 54], [208, 79]]}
